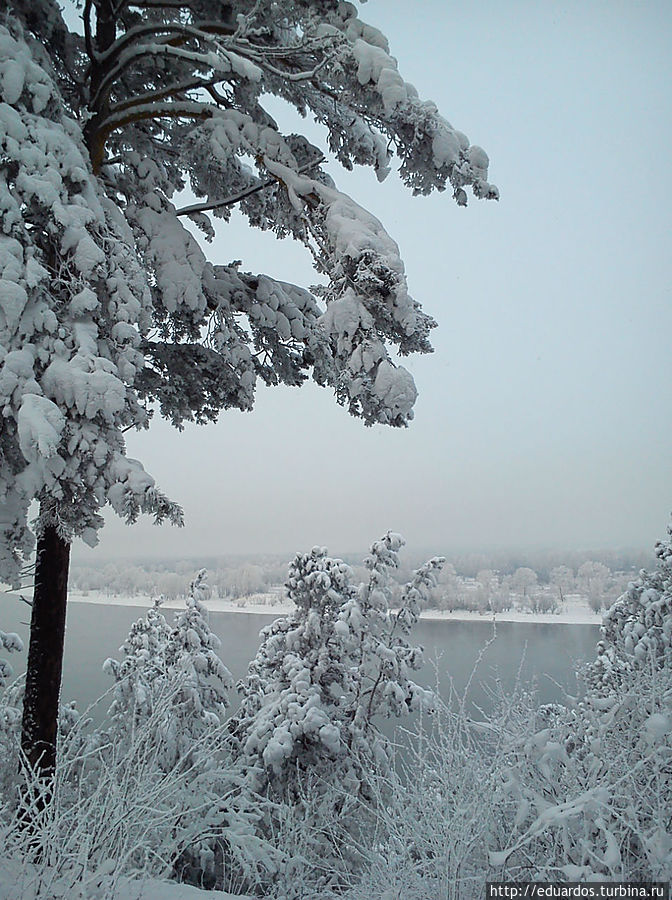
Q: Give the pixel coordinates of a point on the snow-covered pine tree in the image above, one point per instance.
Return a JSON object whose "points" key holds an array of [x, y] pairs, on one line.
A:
{"points": [[202, 679], [178, 666], [307, 732], [637, 629], [323, 674], [141, 673], [110, 304]]}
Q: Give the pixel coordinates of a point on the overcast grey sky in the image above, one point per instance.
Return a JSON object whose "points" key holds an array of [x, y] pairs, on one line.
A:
{"points": [[544, 414]]}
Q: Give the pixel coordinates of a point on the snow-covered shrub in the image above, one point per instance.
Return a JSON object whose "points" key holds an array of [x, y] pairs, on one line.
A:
{"points": [[10, 715], [436, 811], [595, 793], [113, 810], [10, 734], [140, 672], [11, 707], [322, 676], [530, 793], [637, 629]]}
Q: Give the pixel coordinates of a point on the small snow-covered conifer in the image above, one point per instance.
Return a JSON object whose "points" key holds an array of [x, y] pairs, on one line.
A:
{"points": [[306, 732], [192, 664], [141, 672], [180, 667], [324, 673]]}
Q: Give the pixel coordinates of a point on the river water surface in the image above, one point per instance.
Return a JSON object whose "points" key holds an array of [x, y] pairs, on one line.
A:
{"points": [[546, 653]]}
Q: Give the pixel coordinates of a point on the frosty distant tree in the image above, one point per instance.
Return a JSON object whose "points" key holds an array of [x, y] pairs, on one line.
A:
{"points": [[592, 577], [110, 307], [563, 578]]}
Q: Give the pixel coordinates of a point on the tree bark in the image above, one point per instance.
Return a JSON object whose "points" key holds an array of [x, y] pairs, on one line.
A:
{"points": [[39, 727]]}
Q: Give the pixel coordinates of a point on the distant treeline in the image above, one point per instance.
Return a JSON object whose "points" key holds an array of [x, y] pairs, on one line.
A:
{"points": [[541, 581]]}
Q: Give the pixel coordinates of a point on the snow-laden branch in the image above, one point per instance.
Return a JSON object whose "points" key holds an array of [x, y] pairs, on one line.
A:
{"points": [[177, 89], [241, 195], [198, 30], [223, 62]]}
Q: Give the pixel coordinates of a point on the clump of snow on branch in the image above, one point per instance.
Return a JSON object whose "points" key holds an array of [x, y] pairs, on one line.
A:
{"points": [[12, 643]]}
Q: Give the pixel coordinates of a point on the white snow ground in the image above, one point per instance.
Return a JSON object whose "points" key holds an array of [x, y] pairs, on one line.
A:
{"points": [[21, 882]]}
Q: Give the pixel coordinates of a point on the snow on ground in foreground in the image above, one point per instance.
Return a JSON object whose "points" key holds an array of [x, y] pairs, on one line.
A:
{"points": [[575, 611], [19, 882]]}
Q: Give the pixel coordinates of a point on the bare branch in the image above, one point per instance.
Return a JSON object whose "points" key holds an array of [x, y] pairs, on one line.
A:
{"points": [[290, 76]]}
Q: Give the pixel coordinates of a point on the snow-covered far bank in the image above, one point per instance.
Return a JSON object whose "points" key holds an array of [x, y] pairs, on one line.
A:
{"points": [[575, 611]]}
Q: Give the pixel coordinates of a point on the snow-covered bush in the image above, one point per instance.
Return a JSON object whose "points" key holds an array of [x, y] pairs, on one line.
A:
{"points": [[593, 788], [322, 677], [11, 701], [10, 715], [11, 696], [529, 793], [140, 672], [113, 810], [637, 629]]}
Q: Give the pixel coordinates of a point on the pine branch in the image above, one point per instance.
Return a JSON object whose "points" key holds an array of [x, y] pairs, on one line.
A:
{"points": [[172, 90], [147, 112], [241, 195], [105, 85], [199, 30]]}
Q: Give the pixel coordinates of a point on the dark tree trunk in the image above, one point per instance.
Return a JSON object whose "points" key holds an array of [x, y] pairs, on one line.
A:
{"points": [[45, 654]]}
